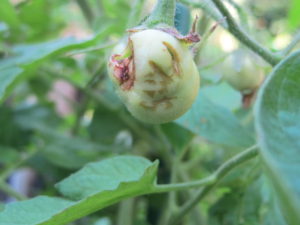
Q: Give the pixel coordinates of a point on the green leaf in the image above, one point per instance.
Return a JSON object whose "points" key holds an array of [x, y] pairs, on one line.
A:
{"points": [[8, 155], [38, 23], [8, 14], [223, 95], [216, 124], [70, 152], [7, 77], [294, 15], [28, 56], [105, 126], [96, 186], [182, 18], [272, 214], [11, 133], [278, 126], [107, 175], [177, 135], [33, 211]]}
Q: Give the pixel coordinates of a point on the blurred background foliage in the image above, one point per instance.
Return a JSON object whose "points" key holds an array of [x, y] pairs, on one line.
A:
{"points": [[59, 111]]}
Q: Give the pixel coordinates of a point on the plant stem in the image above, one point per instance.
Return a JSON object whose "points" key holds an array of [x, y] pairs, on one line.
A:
{"points": [[165, 147], [7, 172], [10, 192], [163, 13], [86, 10], [171, 204], [242, 13], [182, 186], [212, 179], [238, 32], [126, 212], [93, 81], [135, 13], [131, 123], [223, 170], [243, 37], [209, 8]]}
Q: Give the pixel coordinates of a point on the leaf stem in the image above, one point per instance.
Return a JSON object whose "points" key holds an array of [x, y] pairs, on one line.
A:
{"points": [[241, 12], [240, 34], [135, 13], [212, 179], [8, 171], [86, 10], [160, 188], [163, 13], [243, 37], [10, 192], [131, 123], [209, 8], [223, 170]]}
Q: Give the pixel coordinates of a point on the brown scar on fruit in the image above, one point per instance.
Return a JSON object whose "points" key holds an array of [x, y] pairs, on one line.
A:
{"points": [[175, 57], [123, 70], [150, 75], [167, 101], [145, 106], [157, 69], [150, 81], [150, 93]]}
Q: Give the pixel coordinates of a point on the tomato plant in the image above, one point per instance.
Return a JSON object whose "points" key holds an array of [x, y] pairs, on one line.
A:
{"points": [[103, 119]]}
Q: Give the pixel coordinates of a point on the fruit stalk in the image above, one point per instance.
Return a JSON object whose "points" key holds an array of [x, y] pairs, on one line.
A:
{"points": [[163, 13]]}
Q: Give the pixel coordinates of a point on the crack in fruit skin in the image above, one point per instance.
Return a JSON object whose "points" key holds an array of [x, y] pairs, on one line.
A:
{"points": [[166, 80], [175, 57]]}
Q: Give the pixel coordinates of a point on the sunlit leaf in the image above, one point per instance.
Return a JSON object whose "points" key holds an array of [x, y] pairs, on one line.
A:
{"points": [[294, 15], [278, 127], [9, 15], [95, 186], [28, 56], [216, 124]]}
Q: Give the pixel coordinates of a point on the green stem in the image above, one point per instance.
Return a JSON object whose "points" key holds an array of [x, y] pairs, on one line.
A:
{"points": [[165, 147], [10, 192], [209, 8], [126, 211], [212, 179], [93, 81], [237, 31], [243, 37], [86, 10], [160, 188], [135, 13], [163, 13], [8, 171], [241, 12], [171, 204], [223, 170]]}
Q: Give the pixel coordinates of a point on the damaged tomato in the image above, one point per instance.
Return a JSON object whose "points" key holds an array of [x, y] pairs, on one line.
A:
{"points": [[155, 74]]}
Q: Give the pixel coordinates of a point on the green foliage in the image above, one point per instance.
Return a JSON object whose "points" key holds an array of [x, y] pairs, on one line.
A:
{"points": [[278, 127], [59, 113], [29, 56], [95, 186], [205, 116], [294, 17]]}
